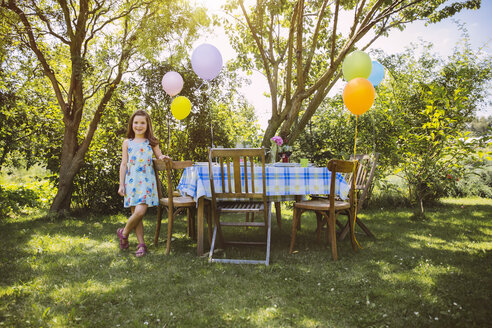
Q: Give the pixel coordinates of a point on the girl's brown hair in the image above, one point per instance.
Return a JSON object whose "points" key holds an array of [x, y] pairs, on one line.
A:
{"points": [[149, 134]]}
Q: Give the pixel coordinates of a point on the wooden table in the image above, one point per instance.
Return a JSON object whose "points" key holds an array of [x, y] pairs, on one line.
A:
{"points": [[284, 182]]}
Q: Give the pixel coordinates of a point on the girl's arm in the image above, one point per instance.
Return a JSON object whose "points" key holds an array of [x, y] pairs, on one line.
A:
{"points": [[123, 167], [157, 152]]}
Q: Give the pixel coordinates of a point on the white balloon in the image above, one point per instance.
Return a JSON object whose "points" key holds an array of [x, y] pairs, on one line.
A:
{"points": [[172, 83], [206, 61]]}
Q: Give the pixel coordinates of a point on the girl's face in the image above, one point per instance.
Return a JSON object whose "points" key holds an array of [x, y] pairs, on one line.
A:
{"points": [[139, 126]]}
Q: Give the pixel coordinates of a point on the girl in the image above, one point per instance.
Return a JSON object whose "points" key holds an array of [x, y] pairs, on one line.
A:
{"points": [[137, 179]]}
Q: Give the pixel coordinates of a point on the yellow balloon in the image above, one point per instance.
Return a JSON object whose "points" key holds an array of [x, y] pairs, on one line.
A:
{"points": [[181, 107], [359, 95]]}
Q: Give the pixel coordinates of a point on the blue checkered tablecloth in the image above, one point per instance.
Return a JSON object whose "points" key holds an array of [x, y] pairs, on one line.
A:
{"points": [[282, 182]]}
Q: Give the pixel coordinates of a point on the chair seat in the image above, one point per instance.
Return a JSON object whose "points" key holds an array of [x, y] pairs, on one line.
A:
{"points": [[321, 205], [182, 201], [238, 207]]}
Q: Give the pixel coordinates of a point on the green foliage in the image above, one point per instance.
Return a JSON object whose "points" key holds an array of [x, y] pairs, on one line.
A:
{"points": [[28, 134], [476, 181], [96, 185], [481, 127], [431, 101], [15, 197]]}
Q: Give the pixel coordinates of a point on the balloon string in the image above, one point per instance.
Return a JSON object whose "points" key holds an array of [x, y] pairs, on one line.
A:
{"points": [[200, 85], [355, 191]]}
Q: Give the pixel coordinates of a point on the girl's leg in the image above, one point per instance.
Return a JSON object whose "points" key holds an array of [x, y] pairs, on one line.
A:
{"points": [[138, 213], [139, 231]]}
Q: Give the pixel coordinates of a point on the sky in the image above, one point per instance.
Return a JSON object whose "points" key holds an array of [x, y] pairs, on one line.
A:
{"points": [[444, 35]]}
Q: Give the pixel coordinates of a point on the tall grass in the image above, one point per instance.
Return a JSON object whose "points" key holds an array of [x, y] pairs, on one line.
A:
{"points": [[69, 273]]}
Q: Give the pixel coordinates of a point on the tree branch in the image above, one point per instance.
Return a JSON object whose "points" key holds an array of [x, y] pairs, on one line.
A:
{"points": [[290, 46], [11, 5], [334, 34], [43, 17], [299, 50], [66, 16]]}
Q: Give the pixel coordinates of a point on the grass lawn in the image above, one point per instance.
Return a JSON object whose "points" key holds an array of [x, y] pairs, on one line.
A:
{"points": [[414, 274]]}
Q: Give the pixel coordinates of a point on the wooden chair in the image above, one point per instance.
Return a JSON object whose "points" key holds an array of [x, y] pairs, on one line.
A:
{"points": [[363, 185], [174, 203], [327, 209], [236, 195]]}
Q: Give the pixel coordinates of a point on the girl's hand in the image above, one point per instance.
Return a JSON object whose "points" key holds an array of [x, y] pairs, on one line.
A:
{"points": [[121, 191], [163, 157]]}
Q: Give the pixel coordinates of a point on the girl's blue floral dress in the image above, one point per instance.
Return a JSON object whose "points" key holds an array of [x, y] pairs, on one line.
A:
{"points": [[140, 184]]}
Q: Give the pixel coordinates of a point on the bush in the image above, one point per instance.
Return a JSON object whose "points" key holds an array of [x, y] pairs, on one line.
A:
{"points": [[389, 192], [477, 182], [16, 197]]}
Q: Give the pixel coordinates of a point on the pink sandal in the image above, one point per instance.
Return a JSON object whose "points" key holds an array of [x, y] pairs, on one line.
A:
{"points": [[141, 250], [123, 240]]}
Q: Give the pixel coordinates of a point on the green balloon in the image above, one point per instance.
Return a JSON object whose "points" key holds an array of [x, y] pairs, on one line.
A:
{"points": [[356, 64]]}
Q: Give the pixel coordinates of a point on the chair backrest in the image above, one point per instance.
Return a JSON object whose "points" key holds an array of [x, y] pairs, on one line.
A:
{"points": [[365, 175], [167, 165], [340, 166], [234, 162]]}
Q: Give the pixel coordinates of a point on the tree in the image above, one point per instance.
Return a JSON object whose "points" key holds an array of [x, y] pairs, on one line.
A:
{"points": [[299, 46], [432, 101], [84, 48], [481, 126], [26, 109]]}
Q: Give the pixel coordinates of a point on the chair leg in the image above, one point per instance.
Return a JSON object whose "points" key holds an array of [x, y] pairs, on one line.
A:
{"points": [[295, 223], [158, 225], [363, 226], [170, 222], [332, 234], [331, 227], [192, 222], [279, 215], [209, 223], [319, 226], [218, 227]]}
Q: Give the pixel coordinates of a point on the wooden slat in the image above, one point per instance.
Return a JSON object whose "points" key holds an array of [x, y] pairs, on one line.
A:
{"points": [[236, 163], [182, 164], [245, 243], [252, 170], [243, 224], [246, 184]]}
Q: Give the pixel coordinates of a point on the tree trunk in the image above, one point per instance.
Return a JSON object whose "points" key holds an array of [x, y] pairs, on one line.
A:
{"points": [[71, 162], [63, 197]]}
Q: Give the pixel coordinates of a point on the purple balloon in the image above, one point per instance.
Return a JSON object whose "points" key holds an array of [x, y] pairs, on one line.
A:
{"points": [[172, 83], [206, 61]]}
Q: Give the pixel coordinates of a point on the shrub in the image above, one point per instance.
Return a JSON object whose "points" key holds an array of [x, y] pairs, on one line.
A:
{"points": [[16, 197], [389, 192], [477, 181]]}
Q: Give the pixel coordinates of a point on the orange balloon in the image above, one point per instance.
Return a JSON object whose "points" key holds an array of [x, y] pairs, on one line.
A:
{"points": [[359, 95]]}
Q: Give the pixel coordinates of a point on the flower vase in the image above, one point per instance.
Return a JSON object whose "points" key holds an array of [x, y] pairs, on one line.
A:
{"points": [[273, 153]]}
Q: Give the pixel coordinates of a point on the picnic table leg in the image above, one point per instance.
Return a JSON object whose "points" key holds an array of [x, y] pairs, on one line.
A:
{"points": [[298, 198], [200, 215], [279, 215]]}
